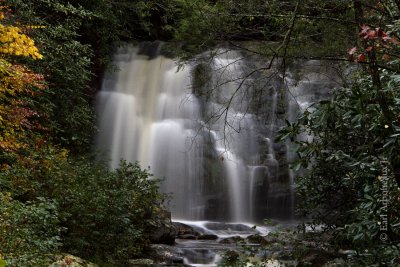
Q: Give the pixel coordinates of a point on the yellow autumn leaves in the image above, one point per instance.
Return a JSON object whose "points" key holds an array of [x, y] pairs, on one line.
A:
{"points": [[14, 42], [17, 82]]}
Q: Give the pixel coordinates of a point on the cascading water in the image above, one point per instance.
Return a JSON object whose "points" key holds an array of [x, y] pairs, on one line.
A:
{"points": [[147, 114], [212, 142], [235, 137]]}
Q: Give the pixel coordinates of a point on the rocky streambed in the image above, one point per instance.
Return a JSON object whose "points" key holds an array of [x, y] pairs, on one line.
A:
{"points": [[209, 244], [204, 243]]}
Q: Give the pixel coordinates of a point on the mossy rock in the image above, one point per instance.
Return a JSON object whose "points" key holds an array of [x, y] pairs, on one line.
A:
{"points": [[71, 261]]}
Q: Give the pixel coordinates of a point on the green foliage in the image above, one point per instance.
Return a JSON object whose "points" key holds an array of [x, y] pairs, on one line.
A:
{"points": [[321, 29], [202, 24], [351, 161], [349, 184], [67, 64], [30, 231], [106, 213]]}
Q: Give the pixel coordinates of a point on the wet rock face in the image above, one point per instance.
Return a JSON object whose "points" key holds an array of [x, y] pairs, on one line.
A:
{"points": [[213, 186], [184, 231]]}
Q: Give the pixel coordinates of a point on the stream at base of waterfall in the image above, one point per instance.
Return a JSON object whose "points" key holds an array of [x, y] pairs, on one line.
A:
{"points": [[210, 252], [207, 243]]}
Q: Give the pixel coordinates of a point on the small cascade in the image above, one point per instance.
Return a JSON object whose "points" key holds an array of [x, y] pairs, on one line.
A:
{"points": [[236, 170]]}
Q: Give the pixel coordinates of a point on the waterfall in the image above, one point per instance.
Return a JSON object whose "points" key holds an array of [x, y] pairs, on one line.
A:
{"points": [[147, 113], [211, 141]]}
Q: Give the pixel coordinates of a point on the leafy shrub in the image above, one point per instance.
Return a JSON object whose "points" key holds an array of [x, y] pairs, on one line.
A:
{"points": [[30, 232], [106, 213], [349, 185]]}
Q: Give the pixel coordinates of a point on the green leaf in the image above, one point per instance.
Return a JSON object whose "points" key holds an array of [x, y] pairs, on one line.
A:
{"points": [[3, 263], [297, 166], [391, 141]]}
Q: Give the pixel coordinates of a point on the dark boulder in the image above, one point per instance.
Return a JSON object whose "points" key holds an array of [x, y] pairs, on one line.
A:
{"points": [[162, 231], [184, 231]]}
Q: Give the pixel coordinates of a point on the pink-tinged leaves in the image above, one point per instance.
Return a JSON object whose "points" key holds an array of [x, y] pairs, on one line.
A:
{"points": [[375, 39], [352, 51], [371, 35], [386, 39], [364, 30]]}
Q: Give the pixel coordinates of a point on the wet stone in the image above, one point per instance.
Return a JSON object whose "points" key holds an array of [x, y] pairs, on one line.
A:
{"points": [[184, 231], [187, 236], [207, 237]]}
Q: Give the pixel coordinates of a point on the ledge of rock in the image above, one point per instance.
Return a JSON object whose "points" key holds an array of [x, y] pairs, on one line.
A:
{"points": [[140, 262]]}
